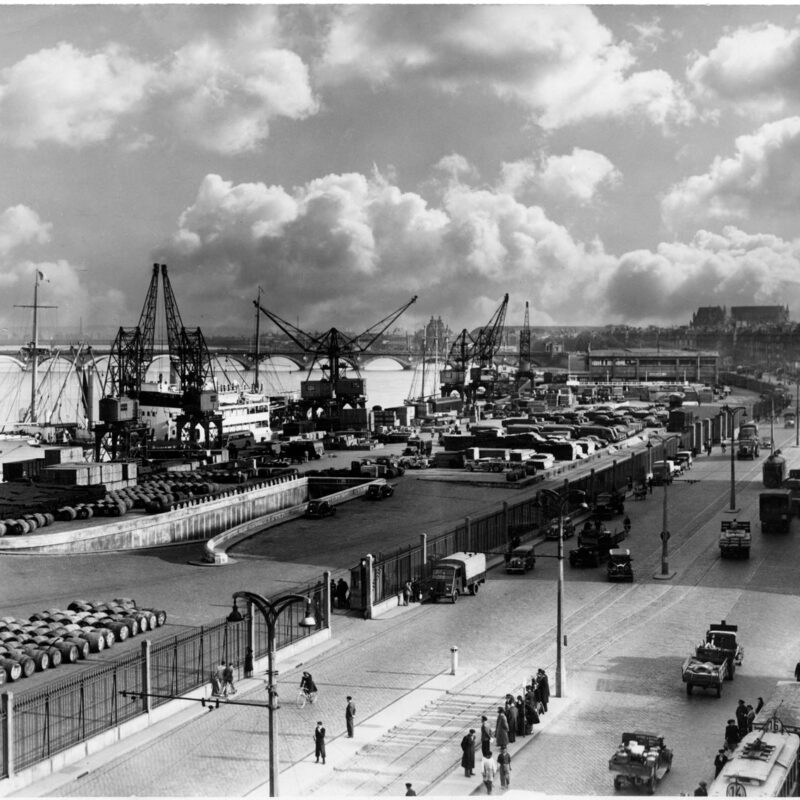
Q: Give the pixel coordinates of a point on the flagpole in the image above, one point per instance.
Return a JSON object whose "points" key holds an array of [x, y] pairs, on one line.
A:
{"points": [[35, 346]]}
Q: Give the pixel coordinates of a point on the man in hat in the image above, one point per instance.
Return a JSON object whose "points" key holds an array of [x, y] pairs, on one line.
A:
{"points": [[319, 742], [720, 760], [410, 791], [349, 716], [468, 753], [486, 736], [701, 790]]}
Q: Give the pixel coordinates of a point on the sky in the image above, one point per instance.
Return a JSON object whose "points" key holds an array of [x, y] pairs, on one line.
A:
{"points": [[611, 164]]}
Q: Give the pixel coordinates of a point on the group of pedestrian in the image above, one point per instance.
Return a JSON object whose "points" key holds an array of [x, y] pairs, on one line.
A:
{"points": [[340, 593], [222, 680], [516, 717], [740, 725], [320, 732]]}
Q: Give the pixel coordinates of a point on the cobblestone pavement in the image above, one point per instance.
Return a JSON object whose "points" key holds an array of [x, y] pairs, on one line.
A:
{"points": [[625, 647]]}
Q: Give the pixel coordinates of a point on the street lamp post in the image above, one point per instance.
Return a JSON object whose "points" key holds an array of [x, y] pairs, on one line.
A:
{"points": [[664, 525], [562, 502], [270, 610], [731, 415]]}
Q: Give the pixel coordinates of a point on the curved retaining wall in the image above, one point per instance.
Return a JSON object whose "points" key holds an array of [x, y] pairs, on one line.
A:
{"points": [[216, 547], [188, 521]]}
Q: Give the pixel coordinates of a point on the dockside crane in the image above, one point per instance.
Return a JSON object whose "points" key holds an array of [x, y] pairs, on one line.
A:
{"points": [[471, 359], [120, 434], [524, 372], [333, 352], [189, 353]]}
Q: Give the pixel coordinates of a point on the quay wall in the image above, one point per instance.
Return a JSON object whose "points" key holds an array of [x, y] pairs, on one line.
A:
{"points": [[192, 520]]}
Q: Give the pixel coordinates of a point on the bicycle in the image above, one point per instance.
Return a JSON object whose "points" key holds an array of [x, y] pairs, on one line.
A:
{"points": [[304, 697]]}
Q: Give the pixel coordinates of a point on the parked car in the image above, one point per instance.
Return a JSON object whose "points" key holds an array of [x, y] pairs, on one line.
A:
{"points": [[317, 509], [379, 491]]}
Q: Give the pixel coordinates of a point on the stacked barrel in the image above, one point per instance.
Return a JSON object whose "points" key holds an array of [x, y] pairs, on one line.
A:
{"points": [[63, 636]]}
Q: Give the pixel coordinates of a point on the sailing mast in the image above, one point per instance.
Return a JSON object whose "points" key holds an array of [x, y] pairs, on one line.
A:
{"points": [[257, 352], [34, 344]]}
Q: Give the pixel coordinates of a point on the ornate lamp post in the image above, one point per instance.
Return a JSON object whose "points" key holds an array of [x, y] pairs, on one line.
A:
{"points": [[270, 610], [731, 415], [561, 502]]}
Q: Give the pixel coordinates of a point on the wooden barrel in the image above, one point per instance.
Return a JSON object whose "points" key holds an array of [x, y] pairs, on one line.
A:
{"points": [[97, 641], [67, 513], [12, 670]]}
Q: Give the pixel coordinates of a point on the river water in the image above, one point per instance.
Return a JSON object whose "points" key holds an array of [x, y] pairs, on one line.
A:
{"points": [[387, 384]]}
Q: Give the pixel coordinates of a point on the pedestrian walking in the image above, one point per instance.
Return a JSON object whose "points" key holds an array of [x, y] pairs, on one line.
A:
{"points": [[511, 716], [216, 683], [701, 790], [545, 690], [650, 483], [751, 715], [759, 704], [319, 742], [488, 770], [720, 760], [349, 716], [731, 734], [468, 753], [227, 679], [410, 790], [407, 591], [626, 524], [486, 736], [741, 718], [248, 663], [504, 767], [342, 593], [501, 728]]}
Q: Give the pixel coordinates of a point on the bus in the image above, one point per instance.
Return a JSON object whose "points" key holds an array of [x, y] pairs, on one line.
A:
{"points": [[765, 762]]}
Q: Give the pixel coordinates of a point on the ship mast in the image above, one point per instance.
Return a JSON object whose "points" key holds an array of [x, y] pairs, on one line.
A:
{"points": [[34, 344], [257, 352]]}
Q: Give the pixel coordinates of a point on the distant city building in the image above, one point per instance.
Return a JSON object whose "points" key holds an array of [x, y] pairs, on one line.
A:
{"points": [[653, 364], [750, 316], [709, 317]]}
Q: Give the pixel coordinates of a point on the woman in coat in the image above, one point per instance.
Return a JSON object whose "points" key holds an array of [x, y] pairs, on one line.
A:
{"points": [[501, 728], [520, 715], [468, 750], [511, 716]]}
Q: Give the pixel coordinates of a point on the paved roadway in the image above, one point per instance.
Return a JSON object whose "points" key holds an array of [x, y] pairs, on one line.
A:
{"points": [[625, 647]]}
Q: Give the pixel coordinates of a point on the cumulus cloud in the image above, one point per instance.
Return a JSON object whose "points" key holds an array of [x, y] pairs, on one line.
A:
{"points": [[344, 249], [557, 61], [221, 94], [760, 182], [20, 225], [577, 177], [727, 268], [753, 69], [224, 98], [70, 97]]}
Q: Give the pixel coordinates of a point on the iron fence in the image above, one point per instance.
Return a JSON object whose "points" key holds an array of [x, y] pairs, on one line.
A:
{"points": [[64, 713], [492, 532]]}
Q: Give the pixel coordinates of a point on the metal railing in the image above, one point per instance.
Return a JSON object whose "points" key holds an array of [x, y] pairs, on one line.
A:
{"points": [[64, 713]]}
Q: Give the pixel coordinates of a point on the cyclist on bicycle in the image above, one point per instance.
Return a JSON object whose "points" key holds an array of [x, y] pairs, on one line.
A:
{"points": [[307, 684]]}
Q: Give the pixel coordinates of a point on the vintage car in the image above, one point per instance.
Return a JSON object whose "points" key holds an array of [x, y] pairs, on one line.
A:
{"points": [[521, 559], [607, 505], [551, 532], [641, 760], [317, 509], [379, 491], [594, 546], [619, 567]]}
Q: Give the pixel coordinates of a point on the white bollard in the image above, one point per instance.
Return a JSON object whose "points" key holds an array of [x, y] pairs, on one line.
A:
{"points": [[453, 660]]}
